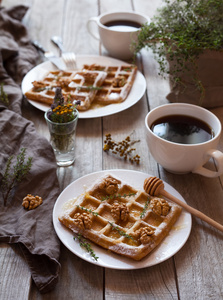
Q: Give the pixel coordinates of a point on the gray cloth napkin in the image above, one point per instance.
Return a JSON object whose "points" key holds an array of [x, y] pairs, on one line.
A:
{"points": [[31, 229]]}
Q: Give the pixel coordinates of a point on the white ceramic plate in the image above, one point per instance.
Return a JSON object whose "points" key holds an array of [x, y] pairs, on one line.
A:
{"points": [[170, 245], [136, 93]]}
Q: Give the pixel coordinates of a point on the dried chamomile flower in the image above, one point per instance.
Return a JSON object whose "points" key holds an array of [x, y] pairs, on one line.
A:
{"points": [[123, 149]]}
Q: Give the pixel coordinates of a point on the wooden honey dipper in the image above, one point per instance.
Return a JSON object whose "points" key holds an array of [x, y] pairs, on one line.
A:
{"points": [[155, 187]]}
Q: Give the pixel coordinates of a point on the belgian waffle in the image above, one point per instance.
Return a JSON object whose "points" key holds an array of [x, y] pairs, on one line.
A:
{"points": [[78, 85], [44, 90], [121, 218], [117, 84]]}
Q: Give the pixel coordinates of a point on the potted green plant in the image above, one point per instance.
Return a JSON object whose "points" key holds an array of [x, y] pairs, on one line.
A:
{"points": [[187, 39]]}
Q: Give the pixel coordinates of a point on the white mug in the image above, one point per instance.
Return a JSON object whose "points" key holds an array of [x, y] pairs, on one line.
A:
{"points": [[117, 41], [184, 158]]}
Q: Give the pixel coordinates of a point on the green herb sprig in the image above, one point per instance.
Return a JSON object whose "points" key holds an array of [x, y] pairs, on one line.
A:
{"points": [[121, 232], [91, 88], [14, 174], [181, 31], [87, 246], [45, 88], [116, 196], [142, 215], [87, 210], [3, 95]]}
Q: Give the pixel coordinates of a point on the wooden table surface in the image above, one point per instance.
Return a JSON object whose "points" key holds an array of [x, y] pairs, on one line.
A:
{"points": [[196, 271]]}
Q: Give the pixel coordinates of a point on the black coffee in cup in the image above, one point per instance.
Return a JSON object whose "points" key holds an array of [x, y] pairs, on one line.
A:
{"points": [[182, 129], [123, 25]]}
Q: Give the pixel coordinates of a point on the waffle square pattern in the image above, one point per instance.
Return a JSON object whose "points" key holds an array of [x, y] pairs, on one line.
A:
{"points": [[93, 84], [76, 86], [118, 217], [117, 84]]}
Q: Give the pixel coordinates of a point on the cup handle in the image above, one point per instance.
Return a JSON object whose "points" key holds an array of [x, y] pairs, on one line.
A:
{"points": [[89, 27], [218, 157]]}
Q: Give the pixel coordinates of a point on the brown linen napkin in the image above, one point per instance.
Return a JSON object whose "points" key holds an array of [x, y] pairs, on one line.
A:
{"points": [[31, 229]]}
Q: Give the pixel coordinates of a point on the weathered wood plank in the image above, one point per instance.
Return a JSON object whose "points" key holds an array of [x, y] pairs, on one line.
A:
{"points": [[149, 283], [75, 36], [198, 262], [14, 273], [196, 269], [203, 247], [201, 193], [155, 282]]}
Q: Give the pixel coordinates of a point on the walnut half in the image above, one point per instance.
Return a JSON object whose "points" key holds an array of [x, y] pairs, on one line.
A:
{"points": [[31, 202], [144, 234], [120, 81], [83, 221], [160, 206], [120, 211], [110, 185]]}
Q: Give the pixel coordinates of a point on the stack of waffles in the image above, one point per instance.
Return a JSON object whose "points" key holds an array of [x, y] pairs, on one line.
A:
{"points": [[93, 84], [118, 217]]}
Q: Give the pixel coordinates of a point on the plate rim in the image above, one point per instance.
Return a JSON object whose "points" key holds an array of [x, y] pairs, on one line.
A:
{"points": [[86, 115], [132, 264]]}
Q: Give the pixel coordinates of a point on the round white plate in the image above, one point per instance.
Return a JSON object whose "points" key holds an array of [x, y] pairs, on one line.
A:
{"points": [[136, 93], [170, 245]]}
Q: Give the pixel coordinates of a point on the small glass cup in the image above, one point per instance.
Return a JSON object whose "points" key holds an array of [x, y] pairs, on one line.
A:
{"points": [[62, 139]]}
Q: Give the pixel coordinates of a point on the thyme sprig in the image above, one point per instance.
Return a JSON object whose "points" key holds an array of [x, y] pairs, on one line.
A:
{"points": [[87, 246], [44, 88], [14, 174], [123, 149], [116, 196], [90, 87], [121, 232], [87, 210], [146, 205], [3, 95]]}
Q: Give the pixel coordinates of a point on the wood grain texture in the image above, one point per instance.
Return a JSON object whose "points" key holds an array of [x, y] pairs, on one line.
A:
{"points": [[14, 273], [156, 282], [195, 272]]}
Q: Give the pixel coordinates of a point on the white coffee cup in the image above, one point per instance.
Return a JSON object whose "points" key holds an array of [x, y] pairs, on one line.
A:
{"points": [[184, 158], [117, 41]]}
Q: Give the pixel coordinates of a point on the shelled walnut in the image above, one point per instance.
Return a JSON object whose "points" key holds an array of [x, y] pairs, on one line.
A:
{"points": [[120, 211], [110, 185], [31, 202], [160, 206], [119, 81], [83, 221], [144, 234]]}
